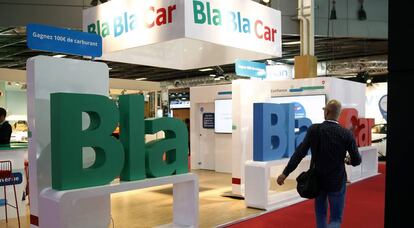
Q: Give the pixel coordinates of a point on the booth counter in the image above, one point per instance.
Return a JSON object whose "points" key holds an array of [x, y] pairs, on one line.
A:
{"points": [[17, 154]]}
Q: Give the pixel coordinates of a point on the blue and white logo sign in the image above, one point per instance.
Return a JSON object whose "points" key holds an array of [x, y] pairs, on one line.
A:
{"points": [[250, 69], [300, 111], [17, 179], [53, 39]]}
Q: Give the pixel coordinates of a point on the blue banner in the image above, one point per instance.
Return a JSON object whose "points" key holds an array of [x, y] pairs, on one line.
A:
{"points": [[250, 69], [18, 179], [53, 39]]}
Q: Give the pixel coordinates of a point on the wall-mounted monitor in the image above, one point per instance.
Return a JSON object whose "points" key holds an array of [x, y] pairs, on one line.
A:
{"points": [[179, 100], [223, 122], [309, 106], [179, 104]]}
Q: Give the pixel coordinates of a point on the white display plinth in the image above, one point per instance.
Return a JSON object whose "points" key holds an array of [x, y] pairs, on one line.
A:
{"points": [[57, 207], [368, 167], [257, 184], [257, 176]]}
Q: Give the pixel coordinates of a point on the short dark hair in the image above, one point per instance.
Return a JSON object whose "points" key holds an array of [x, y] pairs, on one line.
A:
{"points": [[3, 112]]}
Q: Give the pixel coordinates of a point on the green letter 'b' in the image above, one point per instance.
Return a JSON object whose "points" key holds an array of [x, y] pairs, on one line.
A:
{"points": [[174, 146], [199, 16], [68, 139]]}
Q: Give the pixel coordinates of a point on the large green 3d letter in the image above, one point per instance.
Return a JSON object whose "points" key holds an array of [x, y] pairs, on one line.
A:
{"points": [[132, 136], [68, 139], [174, 146]]}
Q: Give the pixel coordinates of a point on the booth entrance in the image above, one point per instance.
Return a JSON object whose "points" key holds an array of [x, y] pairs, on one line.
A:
{"points": [[206, 138]]}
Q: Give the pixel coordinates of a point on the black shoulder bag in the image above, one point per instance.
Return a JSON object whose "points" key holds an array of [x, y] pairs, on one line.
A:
{"points": [[308, 186]]}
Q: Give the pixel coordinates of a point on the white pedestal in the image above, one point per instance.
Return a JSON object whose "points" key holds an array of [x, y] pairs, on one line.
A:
{"points": [[257, 184], [368, 167], [57, 207], [257, 176]]}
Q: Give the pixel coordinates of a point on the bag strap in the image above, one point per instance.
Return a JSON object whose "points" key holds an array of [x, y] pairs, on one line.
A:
{"points": [[313, 156]]}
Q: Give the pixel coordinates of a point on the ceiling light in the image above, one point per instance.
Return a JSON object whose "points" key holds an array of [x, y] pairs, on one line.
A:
{"points": [[141, 79], [59, 56], [369, 81], [212, 75], [266, 1], [291, 43], [206, 69]]}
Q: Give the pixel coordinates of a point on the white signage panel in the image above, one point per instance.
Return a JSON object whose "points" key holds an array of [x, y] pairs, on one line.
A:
{"points": [[241, 24], [223, 118], [47, 75], [127, 24], [185, 34]]}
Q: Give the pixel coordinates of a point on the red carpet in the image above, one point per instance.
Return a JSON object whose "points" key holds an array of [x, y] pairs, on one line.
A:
{"points": [[364, 207]]}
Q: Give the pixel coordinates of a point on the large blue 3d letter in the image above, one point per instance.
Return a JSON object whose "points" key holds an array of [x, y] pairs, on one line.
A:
{"points": [[303, 124], [273, 131]]}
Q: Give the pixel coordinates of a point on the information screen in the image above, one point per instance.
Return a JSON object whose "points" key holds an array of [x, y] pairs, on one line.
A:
{"points": [[309, 106], [223, 116]]}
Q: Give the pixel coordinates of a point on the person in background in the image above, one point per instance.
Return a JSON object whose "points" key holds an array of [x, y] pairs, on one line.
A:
{"points": [[329, 143], [5, 128], [187, 123]]}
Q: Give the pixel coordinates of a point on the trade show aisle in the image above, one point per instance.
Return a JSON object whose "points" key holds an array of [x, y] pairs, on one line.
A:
{"points": [[153, 206], [364, 208]]}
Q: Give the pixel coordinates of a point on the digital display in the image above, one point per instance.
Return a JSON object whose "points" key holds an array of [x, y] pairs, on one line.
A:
{"points": [[223, 116], [309, 106]]}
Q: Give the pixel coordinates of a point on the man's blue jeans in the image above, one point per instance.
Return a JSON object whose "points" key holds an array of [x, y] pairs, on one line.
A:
{"points": [[336, 208]]}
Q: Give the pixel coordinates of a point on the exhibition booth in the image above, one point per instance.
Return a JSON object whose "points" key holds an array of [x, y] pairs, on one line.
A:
{"points": [[222, 120], [14, 98], [75, 164]]}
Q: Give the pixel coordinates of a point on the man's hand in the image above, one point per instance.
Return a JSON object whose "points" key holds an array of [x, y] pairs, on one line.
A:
{"points": [[281, 179], [348, 160]]}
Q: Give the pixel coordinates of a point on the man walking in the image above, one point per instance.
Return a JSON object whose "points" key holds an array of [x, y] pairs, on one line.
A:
{"points": [[329, 142]]}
